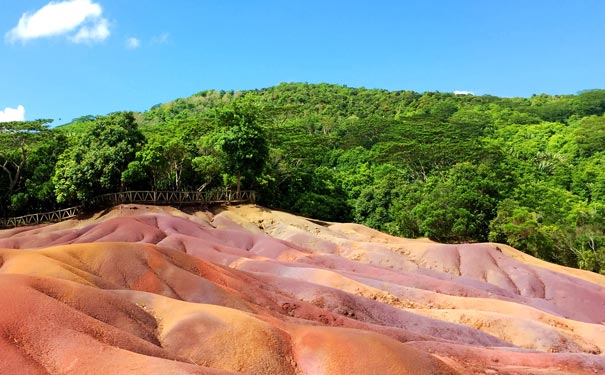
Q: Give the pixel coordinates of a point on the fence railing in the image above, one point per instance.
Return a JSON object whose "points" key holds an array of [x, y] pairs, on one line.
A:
{"points": [[174, 197], [142, 197]]}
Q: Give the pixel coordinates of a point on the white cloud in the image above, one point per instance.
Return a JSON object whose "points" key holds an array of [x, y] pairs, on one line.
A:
{"points": [[458, 92], [80, 20], [132, 43], [12, 114], [95, 33]]}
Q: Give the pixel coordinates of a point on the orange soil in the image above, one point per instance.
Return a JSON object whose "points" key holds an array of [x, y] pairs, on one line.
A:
{"points": [[150, 290]]}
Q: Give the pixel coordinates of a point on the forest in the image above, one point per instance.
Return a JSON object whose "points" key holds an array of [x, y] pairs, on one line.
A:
{"points": [[528, 172]]}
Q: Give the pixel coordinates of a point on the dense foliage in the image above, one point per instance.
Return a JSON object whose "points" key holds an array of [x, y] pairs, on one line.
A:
{"points": [[529, 172]]}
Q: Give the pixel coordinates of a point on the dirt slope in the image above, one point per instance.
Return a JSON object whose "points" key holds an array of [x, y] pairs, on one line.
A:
{"points": [[149, 290]]}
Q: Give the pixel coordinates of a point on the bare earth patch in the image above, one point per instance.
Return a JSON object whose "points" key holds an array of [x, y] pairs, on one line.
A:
{"points": [[154, 290]]}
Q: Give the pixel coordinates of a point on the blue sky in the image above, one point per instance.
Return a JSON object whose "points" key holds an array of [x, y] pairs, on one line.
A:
{"points": [[68, 58]]}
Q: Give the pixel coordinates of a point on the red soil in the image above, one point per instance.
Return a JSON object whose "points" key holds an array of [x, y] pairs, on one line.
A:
{"points": [[147, 290]]}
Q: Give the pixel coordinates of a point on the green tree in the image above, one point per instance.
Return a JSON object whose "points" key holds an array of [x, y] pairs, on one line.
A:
{"points": [[242, 139], [590, 135], [95, 162], [521, 228], [374, 202], [16, 142], [589, 102], [323, 197], [38, 194], [459, 205]]}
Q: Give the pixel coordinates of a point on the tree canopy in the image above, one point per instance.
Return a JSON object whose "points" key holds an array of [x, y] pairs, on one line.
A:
{"points": [[94, 163], [240, 136]]}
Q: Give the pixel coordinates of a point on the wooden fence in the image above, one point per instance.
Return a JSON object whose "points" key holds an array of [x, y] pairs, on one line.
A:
{"points": [[44, 217], [157, 198]]}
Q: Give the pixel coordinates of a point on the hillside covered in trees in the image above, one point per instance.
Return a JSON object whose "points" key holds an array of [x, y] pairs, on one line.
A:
{"points": [[529, 172]]}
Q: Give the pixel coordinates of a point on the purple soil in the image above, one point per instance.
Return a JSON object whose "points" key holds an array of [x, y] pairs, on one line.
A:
{"points": [[249, 290]]}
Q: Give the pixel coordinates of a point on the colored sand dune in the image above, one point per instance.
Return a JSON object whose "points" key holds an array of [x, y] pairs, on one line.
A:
{"points": [[149, 290]]}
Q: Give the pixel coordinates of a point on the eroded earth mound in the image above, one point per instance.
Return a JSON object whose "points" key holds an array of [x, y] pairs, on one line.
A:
{"points": [[149, 290]]}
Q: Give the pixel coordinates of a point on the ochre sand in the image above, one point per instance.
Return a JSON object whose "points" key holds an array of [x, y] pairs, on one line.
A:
{"points": [[152, 290]]}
